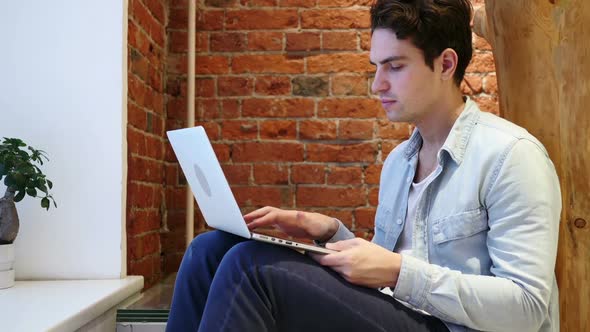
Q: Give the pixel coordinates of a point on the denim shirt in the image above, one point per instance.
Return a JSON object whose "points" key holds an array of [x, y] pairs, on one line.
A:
{"points": [[486, 229]]}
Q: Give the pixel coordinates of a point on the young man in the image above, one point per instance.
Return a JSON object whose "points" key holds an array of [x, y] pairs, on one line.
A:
{"points": [[465, 232]]}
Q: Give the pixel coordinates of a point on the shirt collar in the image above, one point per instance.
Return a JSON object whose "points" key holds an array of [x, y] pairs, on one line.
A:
{"points": [[458, 137]]}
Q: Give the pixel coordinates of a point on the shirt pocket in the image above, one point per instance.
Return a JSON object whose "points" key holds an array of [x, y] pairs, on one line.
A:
{"points": [[459, 226], [382, 216]]}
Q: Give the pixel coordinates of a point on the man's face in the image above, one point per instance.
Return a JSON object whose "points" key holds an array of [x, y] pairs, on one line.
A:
{"points": [[407, 87]]}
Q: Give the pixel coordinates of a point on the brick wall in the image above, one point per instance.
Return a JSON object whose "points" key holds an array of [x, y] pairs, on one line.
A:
{"points": [[283, 90], [145, 136]]}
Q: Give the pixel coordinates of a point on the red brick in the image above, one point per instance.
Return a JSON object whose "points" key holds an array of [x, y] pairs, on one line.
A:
{"points": [[230, 108], [206, 109], [142, 221], [304, 41], [365, 40], [155, 147], [344, 175], [363, 152], [343, 3], [273, 85], [297, 3], [136, 116], [480, 43], [266, 63], [157, 9], [317, 129], [335, 19], [277, 108], [238, 130], [271, 174], [488, 104], [349, 85], [149, 24], [261, 196], [222, 151], [306, 173], [330, 197], [364, 217], [490, 84], [204, 87], [481, 63], [344, 215], [171, 174], [176, 109], [237, 174], [253, 19], [211, 65], [392, 130], [145, 245], [140, 195], [211, 20], [207, 64], [472, 84], [349, 108], [234, 86], [355, 129], [339, 40], [136, 143], [387, 147], [339, 62], [142, 169], [373, 173], [265, 41], [228, 41], [267, 151], [278, 129], [373, 196], [222, 3], [259, 3]]}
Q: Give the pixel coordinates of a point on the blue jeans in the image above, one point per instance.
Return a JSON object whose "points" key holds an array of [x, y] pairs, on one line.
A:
{"points": [[227, 283]]}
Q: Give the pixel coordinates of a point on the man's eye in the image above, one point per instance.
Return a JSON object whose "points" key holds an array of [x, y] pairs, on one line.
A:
{"points": [[396, 68]]}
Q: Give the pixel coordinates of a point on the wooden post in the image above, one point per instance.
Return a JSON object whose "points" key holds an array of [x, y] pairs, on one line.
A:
{"points": [[542, 53]]}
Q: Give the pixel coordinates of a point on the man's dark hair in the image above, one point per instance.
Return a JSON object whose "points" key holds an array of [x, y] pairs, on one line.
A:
{"points": [[431, 25]]}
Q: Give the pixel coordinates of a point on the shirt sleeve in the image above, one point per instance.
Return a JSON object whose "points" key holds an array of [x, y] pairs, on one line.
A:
{"points": [[524, 206], [341, 234]]}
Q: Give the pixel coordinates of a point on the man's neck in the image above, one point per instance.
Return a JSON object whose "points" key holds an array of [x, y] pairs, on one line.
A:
{"points": [[435, 127]]}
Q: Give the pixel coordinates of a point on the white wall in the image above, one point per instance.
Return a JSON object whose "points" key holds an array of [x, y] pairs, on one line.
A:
{"points": [[63, 90]]}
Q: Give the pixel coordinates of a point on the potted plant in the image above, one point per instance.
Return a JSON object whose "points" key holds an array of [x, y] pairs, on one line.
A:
{"points": [[22, 176]]}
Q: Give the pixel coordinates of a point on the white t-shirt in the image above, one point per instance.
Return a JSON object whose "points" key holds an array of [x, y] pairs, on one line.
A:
{"points": [[404, 244]]}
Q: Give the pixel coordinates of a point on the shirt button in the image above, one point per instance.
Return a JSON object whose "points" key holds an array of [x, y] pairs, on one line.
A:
{"points": [[408, 179], [435, 228], [407, 298], [399, 221]]}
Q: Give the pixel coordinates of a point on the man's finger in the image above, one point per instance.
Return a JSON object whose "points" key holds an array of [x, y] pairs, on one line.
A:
{"points": [[331, 260], [344, 244], [261, 222], [257, 213]]}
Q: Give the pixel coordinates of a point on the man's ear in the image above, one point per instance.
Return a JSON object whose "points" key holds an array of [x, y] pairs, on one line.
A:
{"points": [[449, 60]]}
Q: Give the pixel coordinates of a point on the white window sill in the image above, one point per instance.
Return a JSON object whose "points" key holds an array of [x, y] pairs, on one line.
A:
{"points": [[63, 305]]}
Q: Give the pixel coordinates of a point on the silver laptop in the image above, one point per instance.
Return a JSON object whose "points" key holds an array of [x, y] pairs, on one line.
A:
{"points": [[211, 189]]}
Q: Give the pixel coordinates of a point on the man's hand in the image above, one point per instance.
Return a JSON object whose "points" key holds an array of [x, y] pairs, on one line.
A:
{"points": [[362, 263], [300, 224]]}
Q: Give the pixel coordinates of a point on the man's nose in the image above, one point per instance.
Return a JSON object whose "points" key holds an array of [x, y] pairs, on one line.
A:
{"points": [[379, 83]]}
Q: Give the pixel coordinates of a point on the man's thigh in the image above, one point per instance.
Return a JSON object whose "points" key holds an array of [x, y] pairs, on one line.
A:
{"points": [[300, 294]]}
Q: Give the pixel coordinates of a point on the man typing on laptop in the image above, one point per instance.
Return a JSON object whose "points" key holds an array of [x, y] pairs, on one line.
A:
{"points": [[465, 231]]}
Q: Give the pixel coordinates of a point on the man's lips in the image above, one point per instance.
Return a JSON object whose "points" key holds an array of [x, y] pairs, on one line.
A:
{"points": [[387, 102]]}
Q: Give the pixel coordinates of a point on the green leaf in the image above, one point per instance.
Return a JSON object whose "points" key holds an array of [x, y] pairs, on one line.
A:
{"points": [[32, 192], [9, 180], [50, 184], [19, 196], [45, 203]]}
